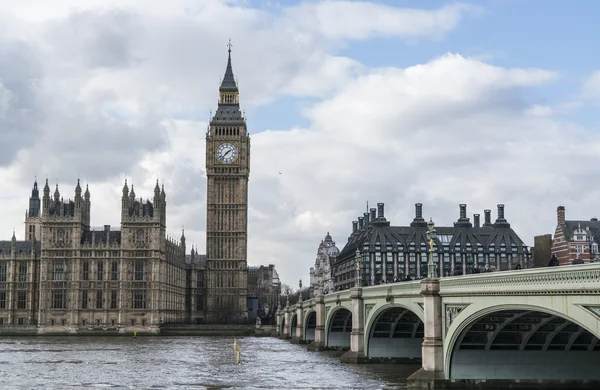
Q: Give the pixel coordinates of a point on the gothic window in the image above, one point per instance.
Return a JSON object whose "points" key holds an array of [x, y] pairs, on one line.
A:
{"points": [[61, 236], [84, 300], [99, 299], [139, 299], [60, 270], [100, 270], [594, 248], [59, 299], [114, 273], [22, 272], [579, 249], [2, 299], [141, 237], [2, 271], [199, 303], [22, 300], [86, 270], [113, 299], [139, 270]]}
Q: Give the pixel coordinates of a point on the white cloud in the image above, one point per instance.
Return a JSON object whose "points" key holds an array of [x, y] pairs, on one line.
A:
{"points": [[359, 20], [591, 86], [125, 92]]}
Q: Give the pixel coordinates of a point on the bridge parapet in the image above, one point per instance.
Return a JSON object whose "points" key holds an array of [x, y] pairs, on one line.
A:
{"points": [[572, 279], [402, 289]]}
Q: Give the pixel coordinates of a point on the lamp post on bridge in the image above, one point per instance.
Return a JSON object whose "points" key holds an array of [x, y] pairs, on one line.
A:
{"points": [[357, 282], [300, 291], [431, 236]]}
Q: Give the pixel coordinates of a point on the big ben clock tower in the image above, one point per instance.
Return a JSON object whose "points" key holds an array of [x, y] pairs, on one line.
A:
{"points": [[227, 171]]}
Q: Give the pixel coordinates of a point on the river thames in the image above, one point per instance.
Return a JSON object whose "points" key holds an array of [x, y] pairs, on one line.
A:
{"points": [[182, 363]]}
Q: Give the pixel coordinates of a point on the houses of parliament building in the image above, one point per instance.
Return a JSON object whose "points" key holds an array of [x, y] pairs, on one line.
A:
{"points": [[68, 276]]}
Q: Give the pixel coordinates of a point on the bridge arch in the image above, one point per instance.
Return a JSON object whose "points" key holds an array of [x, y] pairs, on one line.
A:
{"points": [[293, 325], [309, 326], [394, 331], [338, 327], [510, 341]]}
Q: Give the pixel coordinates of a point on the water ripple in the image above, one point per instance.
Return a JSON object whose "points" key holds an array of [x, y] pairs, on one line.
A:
{"points": [[206, 363]]}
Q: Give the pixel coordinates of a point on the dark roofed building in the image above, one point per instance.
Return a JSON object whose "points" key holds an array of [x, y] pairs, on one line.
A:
{"points": [[391, 253]]}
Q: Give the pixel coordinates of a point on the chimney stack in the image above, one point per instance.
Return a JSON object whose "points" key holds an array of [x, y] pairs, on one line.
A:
{"points": [[354, 226], [361, 222], [501, 211], [463, 211], [476, 220], [418, 211], [560, 215], [366, 218], [373, 214], [488, 217], [380, 211]]}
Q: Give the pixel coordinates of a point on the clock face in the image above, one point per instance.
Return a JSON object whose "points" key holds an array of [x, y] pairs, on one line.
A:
{"points": [[227, 153]]}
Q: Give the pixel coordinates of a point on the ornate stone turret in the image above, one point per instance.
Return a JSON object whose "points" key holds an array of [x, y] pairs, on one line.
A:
{"points": [[163, 205], [132, 195], [56, 194], [78, 199], [34, 202], [125, 201], [182, 241], [46, 199]]}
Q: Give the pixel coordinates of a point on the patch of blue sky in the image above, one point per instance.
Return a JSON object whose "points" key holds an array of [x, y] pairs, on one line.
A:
{"points": [[284, 113]]}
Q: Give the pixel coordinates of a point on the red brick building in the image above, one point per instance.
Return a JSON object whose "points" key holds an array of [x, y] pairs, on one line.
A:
{"points": [[575, 239]]}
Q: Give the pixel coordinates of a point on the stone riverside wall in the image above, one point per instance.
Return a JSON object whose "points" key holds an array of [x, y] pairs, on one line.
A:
{"points": [[170, 330]]}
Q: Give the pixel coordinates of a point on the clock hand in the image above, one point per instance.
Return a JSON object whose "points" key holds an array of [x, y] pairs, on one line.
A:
{"points": [[227, 152]]}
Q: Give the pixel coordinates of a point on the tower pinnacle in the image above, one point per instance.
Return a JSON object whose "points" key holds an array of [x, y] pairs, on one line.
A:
{"points": [[228, 84]]}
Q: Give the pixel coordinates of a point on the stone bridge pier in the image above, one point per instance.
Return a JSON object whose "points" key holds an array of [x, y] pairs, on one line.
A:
{"points": [[299, 330], [357, 345], [432, 354]]}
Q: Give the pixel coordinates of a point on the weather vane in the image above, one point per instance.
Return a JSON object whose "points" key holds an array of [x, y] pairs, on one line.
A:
{"points": [[229, 45]]}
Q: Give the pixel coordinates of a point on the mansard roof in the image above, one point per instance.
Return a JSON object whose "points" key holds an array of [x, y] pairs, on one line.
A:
{"points": [[463, 234], [593, 226], [21, 246]]}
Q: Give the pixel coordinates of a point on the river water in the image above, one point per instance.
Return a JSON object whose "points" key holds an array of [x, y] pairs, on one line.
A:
{"points": [[182, 363]]}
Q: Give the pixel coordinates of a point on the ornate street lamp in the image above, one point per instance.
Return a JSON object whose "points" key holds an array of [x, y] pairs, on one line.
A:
{"points": [[431, 236], [300, 290], [357, 274]]}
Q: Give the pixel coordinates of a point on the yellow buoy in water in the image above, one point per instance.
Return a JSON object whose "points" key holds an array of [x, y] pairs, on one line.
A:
{"points": [[234, 344], [134, 333], [237, 354]]}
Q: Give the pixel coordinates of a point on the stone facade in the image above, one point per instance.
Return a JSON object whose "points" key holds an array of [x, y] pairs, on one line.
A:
{"points": [[227, 171], [320, 274], [575, 240], [68, 275]]}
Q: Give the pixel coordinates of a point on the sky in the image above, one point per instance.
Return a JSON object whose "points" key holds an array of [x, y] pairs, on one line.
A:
{"points": [[481, 102]]}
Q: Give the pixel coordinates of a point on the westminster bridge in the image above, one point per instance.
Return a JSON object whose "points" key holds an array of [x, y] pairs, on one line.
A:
{"points": [[538, 326]]}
